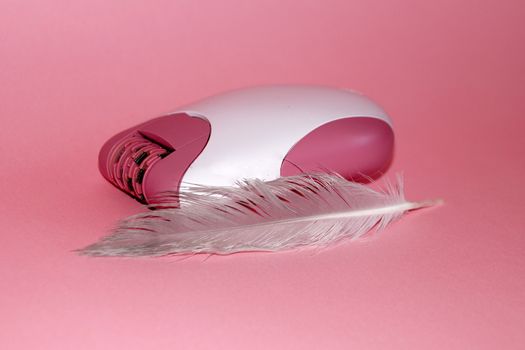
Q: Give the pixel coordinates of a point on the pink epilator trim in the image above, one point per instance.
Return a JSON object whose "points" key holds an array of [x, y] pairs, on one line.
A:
{"points": [[131, 159], [357, 148], [261, 132]]}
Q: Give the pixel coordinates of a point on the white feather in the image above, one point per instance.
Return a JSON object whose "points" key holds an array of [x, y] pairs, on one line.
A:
{"points": [[290, 212]]}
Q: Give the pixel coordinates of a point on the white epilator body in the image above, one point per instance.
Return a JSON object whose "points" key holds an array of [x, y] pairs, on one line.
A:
{"points": [[253, 129], [259, 132]]}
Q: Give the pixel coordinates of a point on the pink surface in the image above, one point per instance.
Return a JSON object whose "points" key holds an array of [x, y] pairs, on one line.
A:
{"points": [[450, 73]]}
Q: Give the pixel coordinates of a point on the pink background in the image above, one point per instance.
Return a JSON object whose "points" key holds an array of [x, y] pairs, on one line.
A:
{"points": [[452, 75]]}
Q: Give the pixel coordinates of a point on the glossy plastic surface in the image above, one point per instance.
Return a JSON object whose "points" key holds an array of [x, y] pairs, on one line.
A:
{"points": [[356, 148], [253, 129], [259, 132], [182, 136]]}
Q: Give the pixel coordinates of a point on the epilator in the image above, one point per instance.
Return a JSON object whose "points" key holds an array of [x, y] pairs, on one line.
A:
{"points": [[260, 132]]}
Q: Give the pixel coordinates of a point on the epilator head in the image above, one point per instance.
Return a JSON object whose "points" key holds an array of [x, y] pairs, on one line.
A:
{"points": [[262, 132]]}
